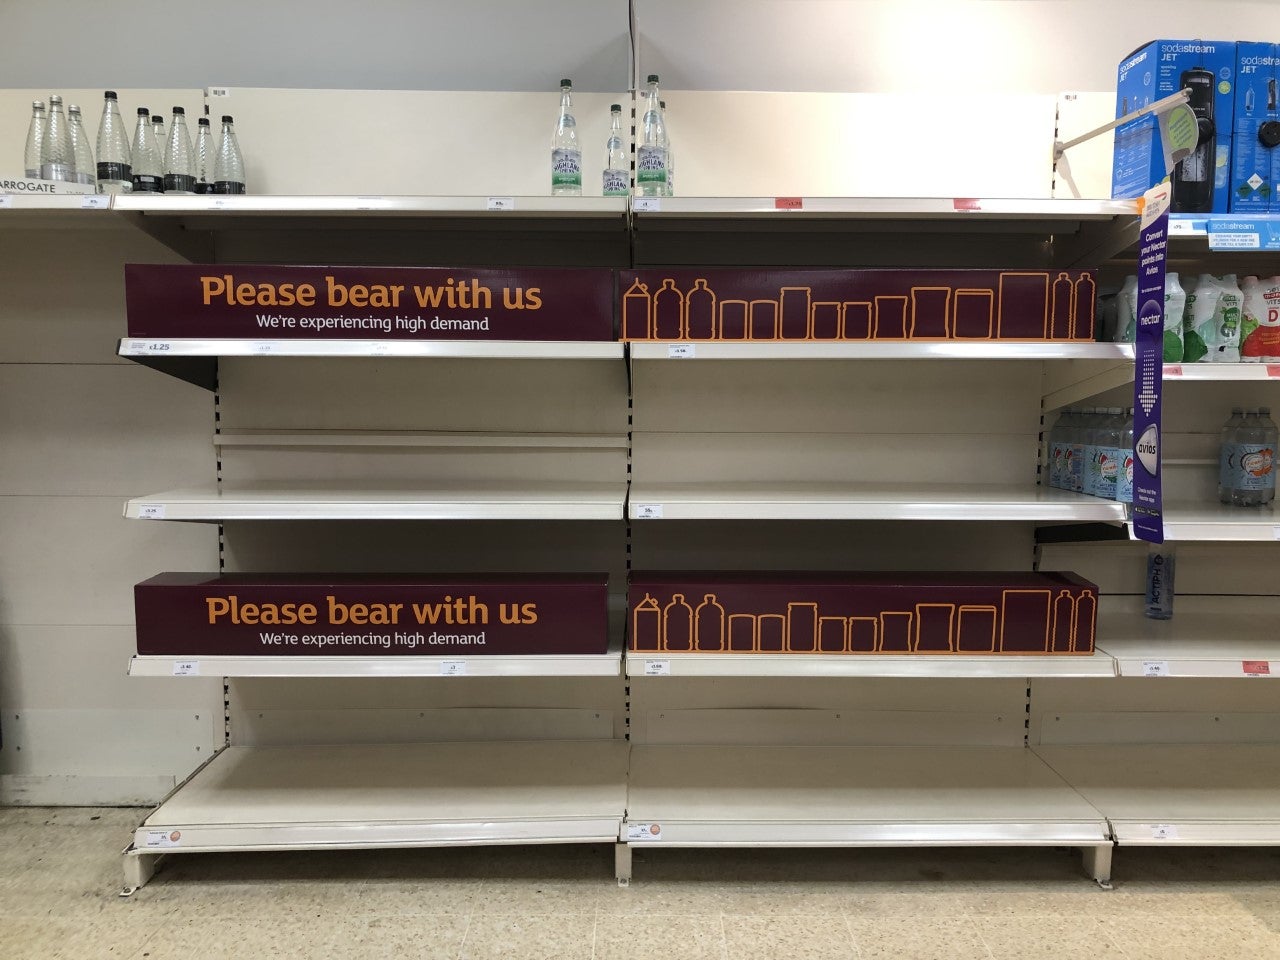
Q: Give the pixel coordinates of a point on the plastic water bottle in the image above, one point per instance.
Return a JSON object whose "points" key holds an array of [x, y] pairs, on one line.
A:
{"points": [[1124, 460], [1270, 437], [35, 140], [1230, 306], [1175, 299], [651, 154], [566, 156], [204, 156], [1126, 318], [115, 170], [1108, 454], [57, 158], [1200, 321], [179, 160], [1057, 447], [1089, 449], [160, 137], [86, 171], [147, 175], [228, 164], [1078, 438], [1161, 564], [617, 175], [1228, 455]]}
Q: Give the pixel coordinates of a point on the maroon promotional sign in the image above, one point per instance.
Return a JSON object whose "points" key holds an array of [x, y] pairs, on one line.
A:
{"points": [[201, 614], [862, 613], [796, 305], [255, 302]]}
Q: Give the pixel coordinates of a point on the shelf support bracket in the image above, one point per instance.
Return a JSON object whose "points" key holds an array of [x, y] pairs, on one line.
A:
{"points": [[622, 863], [138, 869], [1097, 863], [1159, 108]]}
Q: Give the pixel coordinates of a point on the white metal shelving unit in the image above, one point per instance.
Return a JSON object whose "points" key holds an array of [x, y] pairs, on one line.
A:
{"points": [[1209, 637], [462, 501], [389, 795], [705, 796], [942, 666]]}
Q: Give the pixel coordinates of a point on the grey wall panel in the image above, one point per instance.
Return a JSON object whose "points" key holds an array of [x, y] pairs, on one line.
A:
{"points": [[379, 45]]}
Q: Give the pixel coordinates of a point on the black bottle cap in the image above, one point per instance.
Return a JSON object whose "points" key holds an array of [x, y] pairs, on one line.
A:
{"points": [[226, 118], [144, 112], [615, 108], [203, 122], [1269, 134], [179, 112], [653, 78], [157, 119], [566, 83], [109, 94]]}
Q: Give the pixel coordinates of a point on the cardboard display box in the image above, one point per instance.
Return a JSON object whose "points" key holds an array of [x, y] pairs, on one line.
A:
{"points": [[795, 305], [1256, 131], [309, 615], [1202, 181], [862, 613]]}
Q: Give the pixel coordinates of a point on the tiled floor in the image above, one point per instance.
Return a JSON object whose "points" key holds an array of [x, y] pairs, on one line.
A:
{"points": [[61, 873]]}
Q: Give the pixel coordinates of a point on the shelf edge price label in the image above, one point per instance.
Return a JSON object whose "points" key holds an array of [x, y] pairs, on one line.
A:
{"points": [[163, 838], [648, 511], [453, 668], [641, 832], [1256, 668], [501, 204], [219, 92], [657, 668], [788, 203], [263, 347], [1155, 668], [151, 511], [6, 201], [1173, 370], [186, 668], [681, 351], [646, 204], [95, 201], [1163, 831]]}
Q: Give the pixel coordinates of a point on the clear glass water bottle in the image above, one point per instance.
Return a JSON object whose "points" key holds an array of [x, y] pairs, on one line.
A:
{"points": [[86, 172], [228, 164], [671, 152], [57, 158], [147, 175], [204, 156], [179, 160], [617, 172], [115, 166], [651, 154], [566, 155], [160, 137], [35, 140]]}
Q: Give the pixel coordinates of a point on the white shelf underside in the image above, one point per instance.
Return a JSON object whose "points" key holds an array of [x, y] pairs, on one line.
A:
{"points": [[160, 348], [549, 665], [409, 794], [884, 350], [941, 666]]}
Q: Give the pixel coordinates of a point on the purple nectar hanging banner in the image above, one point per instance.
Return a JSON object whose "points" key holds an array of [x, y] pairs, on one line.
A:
{"points": [[1148, 507]]}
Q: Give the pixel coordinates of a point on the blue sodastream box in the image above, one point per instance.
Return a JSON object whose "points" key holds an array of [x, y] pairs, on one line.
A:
{"points": [[1255, 139], [1201, 182]]}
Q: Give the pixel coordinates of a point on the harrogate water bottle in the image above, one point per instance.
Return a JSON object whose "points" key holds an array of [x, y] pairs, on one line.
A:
{"points": [[115, 170], [35, 140], [566, 155], [86, 171], [147, 175], [57, 158], [204, 156], [228, 164], [179, 160]]}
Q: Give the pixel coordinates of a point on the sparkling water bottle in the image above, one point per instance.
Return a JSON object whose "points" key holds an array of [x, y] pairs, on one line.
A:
{"points": [[57, 157], [651, 154], [228, 165], [160, 137], [1109, 458], [1124, 460], [35, 140], [204, 156], [1270, 437], [86, 172], [617, 177], [1161, 563], [1228, 455], [1246, 464], [179, 161], [115, 170], [1057, 447], [1078, 436], [147, 175], [566, 155]]}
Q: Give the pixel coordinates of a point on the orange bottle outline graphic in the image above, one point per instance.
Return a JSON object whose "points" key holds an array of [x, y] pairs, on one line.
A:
{"points": [[681, 629], [928, 311], [709, 627]]}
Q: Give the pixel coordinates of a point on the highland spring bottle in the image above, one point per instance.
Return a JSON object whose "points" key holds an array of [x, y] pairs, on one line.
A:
{"points": [[566, 156], [651, 154], [617, 177]]}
